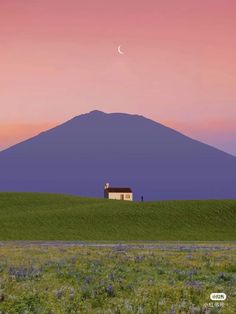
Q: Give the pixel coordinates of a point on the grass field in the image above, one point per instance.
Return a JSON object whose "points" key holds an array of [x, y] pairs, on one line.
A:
{"points": [[34, 216], [51, 279]]}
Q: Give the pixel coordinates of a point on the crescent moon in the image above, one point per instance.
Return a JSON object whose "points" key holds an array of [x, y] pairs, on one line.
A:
{"points": [[120, 51]]}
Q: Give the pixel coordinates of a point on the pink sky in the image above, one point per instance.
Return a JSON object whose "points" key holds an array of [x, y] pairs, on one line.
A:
{"points": [[58, 59]]}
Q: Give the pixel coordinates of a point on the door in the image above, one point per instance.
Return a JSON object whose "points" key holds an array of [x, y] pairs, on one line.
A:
{"points": [[122, 197]]}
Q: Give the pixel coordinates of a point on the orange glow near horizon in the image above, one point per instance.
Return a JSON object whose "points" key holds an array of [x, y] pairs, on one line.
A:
{"points": [[11, 134]]}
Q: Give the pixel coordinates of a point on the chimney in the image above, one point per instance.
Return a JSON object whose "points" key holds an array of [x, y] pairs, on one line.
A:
{"points": [[105, 190], [106, 186]]}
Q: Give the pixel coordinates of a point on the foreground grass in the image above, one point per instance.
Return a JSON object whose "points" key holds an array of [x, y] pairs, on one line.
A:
{"points": [[61, 280], [32, 216]]}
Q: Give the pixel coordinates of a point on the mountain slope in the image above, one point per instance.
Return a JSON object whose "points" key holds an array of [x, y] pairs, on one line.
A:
{"points": [[79, 156]]}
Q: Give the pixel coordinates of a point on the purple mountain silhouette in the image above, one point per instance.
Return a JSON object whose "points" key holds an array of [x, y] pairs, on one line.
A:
{"points": [[79, 156]]}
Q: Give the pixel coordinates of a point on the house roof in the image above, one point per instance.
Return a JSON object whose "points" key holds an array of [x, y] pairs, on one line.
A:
{"points": [[119, 190]]}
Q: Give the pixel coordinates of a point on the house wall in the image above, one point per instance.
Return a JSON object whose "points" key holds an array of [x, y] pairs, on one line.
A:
{"points": [[117, 196]]}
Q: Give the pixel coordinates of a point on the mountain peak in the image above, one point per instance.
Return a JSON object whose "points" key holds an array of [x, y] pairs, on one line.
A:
{"points": [[94, 115], [96, 112]]}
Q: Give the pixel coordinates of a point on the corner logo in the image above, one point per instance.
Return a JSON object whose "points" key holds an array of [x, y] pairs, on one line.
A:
{"points": [[218, 296]]}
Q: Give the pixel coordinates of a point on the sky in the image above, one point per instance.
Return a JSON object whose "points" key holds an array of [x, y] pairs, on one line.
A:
{"points": [[59, 59]]}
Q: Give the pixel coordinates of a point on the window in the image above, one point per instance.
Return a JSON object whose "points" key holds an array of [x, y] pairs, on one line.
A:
{"points": [[127, 196]]}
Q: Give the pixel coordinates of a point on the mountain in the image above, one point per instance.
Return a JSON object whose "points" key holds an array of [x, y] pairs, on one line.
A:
{"points": [[82, 154]]}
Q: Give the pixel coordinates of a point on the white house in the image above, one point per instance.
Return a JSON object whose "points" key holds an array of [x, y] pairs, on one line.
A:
{"points": [[113, 193]]}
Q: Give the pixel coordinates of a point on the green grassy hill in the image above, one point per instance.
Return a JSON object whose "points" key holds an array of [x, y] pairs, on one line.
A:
{"points": [[36, 216]]}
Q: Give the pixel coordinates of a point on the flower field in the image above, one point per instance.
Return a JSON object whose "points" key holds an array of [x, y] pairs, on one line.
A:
{"points": [[70, 278]]}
